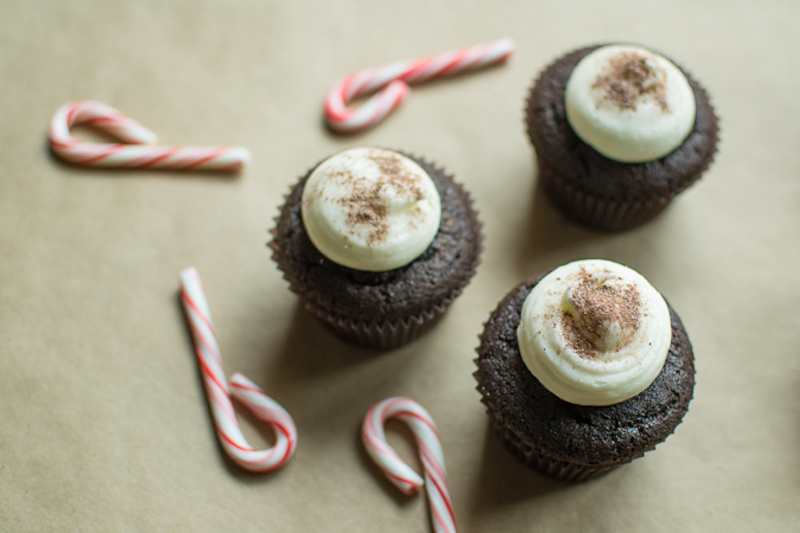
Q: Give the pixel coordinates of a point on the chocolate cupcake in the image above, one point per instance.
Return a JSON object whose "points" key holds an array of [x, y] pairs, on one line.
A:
{"points": [[584, 369], [619, 131], [377, 244]]}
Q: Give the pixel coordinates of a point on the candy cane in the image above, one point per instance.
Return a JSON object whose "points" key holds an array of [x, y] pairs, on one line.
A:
{"points": [[139, 150], [262, 406], [396, 77], [430, 451]]}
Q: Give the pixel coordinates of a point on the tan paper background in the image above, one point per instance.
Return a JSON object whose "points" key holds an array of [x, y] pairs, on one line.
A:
{"points": [[103, 418]]}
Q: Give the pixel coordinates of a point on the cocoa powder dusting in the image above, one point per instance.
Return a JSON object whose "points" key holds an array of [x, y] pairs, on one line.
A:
{"points": [[631, 77], [599, 304], [392, 168], [367, 205]]}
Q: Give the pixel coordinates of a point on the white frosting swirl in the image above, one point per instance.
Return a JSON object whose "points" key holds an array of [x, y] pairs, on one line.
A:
{"points": [[629, 104], [594, 332], [370, 209]]}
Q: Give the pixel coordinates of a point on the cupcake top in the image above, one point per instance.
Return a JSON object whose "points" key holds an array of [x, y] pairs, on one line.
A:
{"points": [[630, 104], [594, 332], [370, 209]]}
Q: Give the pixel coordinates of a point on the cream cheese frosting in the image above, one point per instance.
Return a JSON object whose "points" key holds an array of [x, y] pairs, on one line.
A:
{"points": [[594, 332], [630, 104], [370, 209]]}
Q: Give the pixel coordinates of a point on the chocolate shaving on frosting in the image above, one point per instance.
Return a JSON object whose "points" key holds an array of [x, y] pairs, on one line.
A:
{"points": [[368, 204], [631, 77], [599, 306]]}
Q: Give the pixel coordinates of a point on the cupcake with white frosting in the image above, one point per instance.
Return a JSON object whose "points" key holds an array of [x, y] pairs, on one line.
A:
{"points": [[584, 369], [619, 131], [377, 244]]}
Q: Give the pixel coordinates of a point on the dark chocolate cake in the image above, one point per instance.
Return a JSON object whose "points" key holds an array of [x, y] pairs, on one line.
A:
{"points": [[382, 309], [591, 188], [564, 440]]}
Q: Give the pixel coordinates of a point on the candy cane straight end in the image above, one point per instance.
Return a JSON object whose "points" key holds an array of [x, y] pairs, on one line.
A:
{"points": [[430, 451], [507, 47], [137, 150], [219, 390], [391, 82]]}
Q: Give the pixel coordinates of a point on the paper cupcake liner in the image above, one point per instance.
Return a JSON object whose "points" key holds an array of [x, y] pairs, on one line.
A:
{"points": [[384, 334], [602, 212], [379, 335], [597, 212], [549, 466]]}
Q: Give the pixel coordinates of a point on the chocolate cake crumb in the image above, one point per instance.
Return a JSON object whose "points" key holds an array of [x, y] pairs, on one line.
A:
{"points": [[631, 77]]}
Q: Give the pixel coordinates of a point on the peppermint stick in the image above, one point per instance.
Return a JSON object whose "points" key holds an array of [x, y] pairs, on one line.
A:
{"points": [[219, 390], [138, 149], [430, 451], [395, 79]]}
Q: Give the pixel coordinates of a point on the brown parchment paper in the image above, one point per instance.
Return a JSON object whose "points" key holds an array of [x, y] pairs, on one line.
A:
{"points": [[103, 417]]}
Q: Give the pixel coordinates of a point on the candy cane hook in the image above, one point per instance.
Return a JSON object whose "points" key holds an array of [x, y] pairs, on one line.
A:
{"points": [[395, 80], [138, 149], [219, 390], [430, 451]]}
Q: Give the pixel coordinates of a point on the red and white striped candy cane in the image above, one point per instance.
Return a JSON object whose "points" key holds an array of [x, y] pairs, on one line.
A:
{"points": [[396, 78], [138, 149], [430, 451], [217, 388]]}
